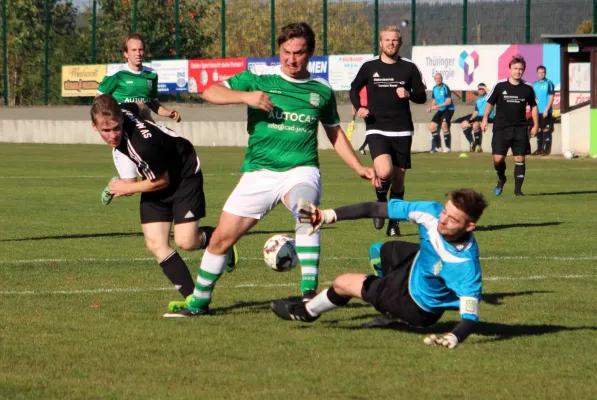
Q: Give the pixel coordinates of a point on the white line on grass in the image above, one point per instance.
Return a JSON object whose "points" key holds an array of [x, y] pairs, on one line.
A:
{"points": [[88, 176], [144, 259], [255, 285]]}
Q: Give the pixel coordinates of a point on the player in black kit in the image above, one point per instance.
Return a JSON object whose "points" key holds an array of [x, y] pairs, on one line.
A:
{"points": [[392, 81], [511, 96], [171, 187]]}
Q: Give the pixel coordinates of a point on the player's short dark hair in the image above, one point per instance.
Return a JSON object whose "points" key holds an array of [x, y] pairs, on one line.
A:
{"points": [[131, 36], [518, 59], [106, 106], [469, 202], [298, 30], [541, 67]]}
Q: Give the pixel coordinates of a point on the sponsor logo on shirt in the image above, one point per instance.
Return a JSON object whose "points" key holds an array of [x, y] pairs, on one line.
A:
{"points": [[437, 268], [314, 99]]}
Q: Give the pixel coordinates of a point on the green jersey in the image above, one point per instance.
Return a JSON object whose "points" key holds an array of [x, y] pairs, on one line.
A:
{"points": [[285, 137], [131, 86]]}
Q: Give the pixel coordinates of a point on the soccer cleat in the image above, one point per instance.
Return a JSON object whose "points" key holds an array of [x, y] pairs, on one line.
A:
{"points": [[232, 259], [106, 195], [478, 149], [292, 311], [447, 150], [537, 153], [518, 193], [177, 305], [363, 152], [309, 295], [499, 187], [187, 313], [436, 150], [393, 228], [378, 223]]}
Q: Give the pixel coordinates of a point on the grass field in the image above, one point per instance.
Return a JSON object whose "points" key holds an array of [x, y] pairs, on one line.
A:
{"points": [[81, 299]]}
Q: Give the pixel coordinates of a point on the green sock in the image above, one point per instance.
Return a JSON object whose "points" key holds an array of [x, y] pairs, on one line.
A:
{"points": [[308, 249], [212, 267]]}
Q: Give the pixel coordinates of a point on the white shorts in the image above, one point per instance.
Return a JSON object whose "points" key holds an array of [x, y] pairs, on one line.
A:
{"points": [[125, 166], [258, 192]]}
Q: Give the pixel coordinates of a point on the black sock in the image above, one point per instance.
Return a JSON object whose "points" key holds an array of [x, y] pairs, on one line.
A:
{"points": [[436, 140], [397, 195], [519, 170], [500, 168], [540, 142], [547, 142], [382, 192], [177, 272], [448, 139], [205, 232], [478, 137], [336, 299], [467, 134], [364, 144]]}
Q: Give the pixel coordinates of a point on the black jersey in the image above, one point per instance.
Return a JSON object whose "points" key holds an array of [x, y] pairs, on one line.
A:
{"points": [[388, 114], [156, 149], [511, 103]]}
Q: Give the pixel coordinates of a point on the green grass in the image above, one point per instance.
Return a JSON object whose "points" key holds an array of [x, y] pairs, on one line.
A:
{"points": [[81, 299]]}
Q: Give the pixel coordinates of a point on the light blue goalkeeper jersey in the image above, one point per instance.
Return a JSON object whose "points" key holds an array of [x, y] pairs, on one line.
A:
{"points": [[443, 277]]}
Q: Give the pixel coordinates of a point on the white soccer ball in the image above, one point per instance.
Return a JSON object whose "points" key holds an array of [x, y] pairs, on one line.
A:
{"points": [[279, 253], [568, 155]]}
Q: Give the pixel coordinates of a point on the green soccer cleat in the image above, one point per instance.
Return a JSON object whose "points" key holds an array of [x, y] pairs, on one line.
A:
{"points": [[106, 195], [177, 305], [232, 259]]}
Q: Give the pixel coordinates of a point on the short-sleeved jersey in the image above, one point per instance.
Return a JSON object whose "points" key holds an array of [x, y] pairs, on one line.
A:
{"points": [[285, 137], [156, 149], [511, 103], [128, 86], [389, 115], [480, 104], [443, 277], [441, 94], [543, 90]]}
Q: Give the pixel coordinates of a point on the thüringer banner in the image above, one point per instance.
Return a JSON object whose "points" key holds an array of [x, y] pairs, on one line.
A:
{"points": [[463, 67]]}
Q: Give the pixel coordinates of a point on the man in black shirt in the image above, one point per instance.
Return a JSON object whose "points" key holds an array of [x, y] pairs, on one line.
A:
{"points": [[511, 97], [392, 81], [171, 187]]}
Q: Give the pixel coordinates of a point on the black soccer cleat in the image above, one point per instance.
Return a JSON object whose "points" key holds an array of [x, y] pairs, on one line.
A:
{"points": [[518, 194], [309, 295], [292, 311], [393, 228]]}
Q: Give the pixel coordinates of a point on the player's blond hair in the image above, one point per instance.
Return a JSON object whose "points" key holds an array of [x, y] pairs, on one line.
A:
{"points": [[391, 28], [131, 36], [106, 106]]}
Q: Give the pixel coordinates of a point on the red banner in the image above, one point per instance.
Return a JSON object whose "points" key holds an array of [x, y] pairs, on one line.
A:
{"points": [[204, 73]]}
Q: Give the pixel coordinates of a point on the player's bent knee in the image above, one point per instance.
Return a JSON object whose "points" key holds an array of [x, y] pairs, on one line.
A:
{"points": [[156, 247], [186, 243], [445, 127]]}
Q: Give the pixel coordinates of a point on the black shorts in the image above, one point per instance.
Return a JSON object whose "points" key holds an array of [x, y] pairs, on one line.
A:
{"points": [[514, 137], [180, 202], [443, 116], [479, 119], [398, 147], [545, 123], [390, 295]]}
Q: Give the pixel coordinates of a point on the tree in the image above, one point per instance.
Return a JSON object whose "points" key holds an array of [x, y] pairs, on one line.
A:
{"points": [[585, 27]]}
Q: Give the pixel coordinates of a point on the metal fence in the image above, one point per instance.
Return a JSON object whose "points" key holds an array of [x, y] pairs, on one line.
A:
{"points": [[39, 36]]}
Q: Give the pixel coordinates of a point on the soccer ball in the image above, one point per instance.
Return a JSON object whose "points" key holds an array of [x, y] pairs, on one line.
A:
{"points": [[279, 253], [568, 155]]}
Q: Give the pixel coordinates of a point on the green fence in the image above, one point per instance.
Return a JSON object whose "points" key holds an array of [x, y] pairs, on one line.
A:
{"points": [[39, 36]]}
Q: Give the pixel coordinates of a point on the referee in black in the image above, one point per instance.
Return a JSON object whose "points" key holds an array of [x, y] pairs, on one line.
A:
{"points": [[392, 82], [171, 187], [511, 96]]}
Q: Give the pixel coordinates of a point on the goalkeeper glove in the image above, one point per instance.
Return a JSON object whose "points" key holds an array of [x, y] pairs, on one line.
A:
{"points": [[307, 213], [448, 340]]}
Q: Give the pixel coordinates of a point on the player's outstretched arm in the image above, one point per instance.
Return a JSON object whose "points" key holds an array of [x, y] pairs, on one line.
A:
{"points": [[220, 94], [346, 153], [122, 187], [310, 214], [450, 340]]}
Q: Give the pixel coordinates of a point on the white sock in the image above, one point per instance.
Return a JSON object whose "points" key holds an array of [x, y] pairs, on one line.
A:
{"points": [[320, 304]]}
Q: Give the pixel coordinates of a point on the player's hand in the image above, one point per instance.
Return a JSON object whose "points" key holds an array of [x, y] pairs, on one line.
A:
{"points": [[448, 340], [369, 173], [119, 188], [362, 112], [307, 213], [259, 99], [402, 93], [534, 130], [431, 108], [174, 115], [484, 125], [545, 114]]}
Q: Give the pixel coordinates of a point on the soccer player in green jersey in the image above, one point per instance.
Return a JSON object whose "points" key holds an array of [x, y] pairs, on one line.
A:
{"points": [[281, 161], [134, 84]]}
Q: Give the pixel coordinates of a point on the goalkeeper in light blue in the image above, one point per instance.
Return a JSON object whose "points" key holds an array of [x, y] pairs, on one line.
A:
{"points": [[414, 283]]}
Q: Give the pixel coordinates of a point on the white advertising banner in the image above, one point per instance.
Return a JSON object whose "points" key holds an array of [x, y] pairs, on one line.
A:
{"points": [[462, 67], [173, 75], [343, 69]]}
